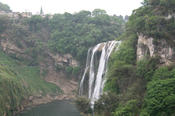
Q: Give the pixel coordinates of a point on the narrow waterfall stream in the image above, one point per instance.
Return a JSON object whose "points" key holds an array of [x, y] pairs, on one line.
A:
{"points": [[96, 68]]}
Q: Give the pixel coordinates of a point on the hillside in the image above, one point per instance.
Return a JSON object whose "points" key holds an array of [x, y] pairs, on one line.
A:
{"points": [[140, 78], [41, 57]]}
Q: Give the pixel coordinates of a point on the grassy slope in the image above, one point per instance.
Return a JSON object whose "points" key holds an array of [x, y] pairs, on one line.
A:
{"points": [[17, 82]]}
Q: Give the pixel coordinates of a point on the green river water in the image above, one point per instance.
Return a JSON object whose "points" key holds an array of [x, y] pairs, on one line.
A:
{"points": [[56, 108]]}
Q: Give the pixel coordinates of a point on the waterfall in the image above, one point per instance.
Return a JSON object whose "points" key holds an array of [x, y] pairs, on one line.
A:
{"points": [[85, 71], [96, 71]]}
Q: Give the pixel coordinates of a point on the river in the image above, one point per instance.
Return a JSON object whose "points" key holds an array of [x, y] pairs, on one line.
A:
{"points": [[56, 108]]}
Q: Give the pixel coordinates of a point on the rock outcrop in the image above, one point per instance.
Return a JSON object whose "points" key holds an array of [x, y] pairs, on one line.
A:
{"points": [[10, 47], [147, 46], [65, 59]]}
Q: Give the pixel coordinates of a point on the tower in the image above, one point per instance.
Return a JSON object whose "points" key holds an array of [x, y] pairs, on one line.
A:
{"points": [[41, 11]]}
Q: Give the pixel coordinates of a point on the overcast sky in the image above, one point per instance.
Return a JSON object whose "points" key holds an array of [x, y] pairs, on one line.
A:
{"points": [[118, 7]]}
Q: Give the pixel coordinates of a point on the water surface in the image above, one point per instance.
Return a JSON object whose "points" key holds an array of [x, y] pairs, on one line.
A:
{"points": [[56, 108]]}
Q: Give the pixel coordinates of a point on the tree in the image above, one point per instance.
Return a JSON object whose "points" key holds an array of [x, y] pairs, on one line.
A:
{"points": [[35, 22], [160, 98], [75, 33], [106, 104], [83, 105], [4, 20], [98, 12], [4, 7]]}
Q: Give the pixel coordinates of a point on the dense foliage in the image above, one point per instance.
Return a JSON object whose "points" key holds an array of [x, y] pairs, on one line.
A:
{"points": [[160, 98], [133, 88], [18, 82], [34, 39], [67, 33], [122, 79], [3, 23], [4, 7], [155, 18], [145, 87], [106, 104], [83, 105], [75, 33]]}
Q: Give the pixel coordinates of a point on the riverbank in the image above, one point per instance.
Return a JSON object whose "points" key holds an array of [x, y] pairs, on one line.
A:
{"points": [[34, 101], [69, 92]]}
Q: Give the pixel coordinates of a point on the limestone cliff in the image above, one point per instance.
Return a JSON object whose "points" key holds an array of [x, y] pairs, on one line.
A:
{"points": [[148, 46]]}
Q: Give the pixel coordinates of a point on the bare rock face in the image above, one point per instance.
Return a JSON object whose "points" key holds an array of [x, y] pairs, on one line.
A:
{"points": [[170, 16], [65, 59], [9, 47], [147, 47]]}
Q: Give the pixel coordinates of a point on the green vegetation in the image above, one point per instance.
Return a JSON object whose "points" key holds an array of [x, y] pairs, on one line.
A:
{"points": [[32, 39], [122, 79], [121, 63], [83, 105], [106, 104], [64, 33], [152, 19], [129, 109], [12, 92], [4, 7], [18, 82], [160, 98], [146, 68], [75, 33], [145, 87], [3, 23]]}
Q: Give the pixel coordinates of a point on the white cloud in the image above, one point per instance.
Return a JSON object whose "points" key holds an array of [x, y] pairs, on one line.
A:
{"points": [[117, 7]]}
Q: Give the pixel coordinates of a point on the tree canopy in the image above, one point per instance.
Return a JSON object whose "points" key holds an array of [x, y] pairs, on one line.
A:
{"points": [[4, 7], [155, 18], [75, 33]]}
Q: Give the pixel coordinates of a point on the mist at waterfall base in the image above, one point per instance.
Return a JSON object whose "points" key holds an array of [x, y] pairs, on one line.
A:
{"points": [[95, 70]]}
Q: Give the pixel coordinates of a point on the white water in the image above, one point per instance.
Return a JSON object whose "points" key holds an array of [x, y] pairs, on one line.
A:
{"points": [[97, 74], [84, 74]]}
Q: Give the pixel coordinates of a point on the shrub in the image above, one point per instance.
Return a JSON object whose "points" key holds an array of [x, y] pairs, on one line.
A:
{"points": [[76, 70], [164, 73], [160, 98], [83, 105], [4, 20], [69, 69], [107, 103], [129, 109], [146, 68]]}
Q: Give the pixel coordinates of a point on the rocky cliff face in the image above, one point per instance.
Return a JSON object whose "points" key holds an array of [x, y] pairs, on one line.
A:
{"points": [[48, 65], [65, 59], [10, 47], [147, 46]]}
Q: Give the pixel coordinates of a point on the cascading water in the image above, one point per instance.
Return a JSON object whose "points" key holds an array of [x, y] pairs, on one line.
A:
{"points": [[96, 77], [85, 71]]}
